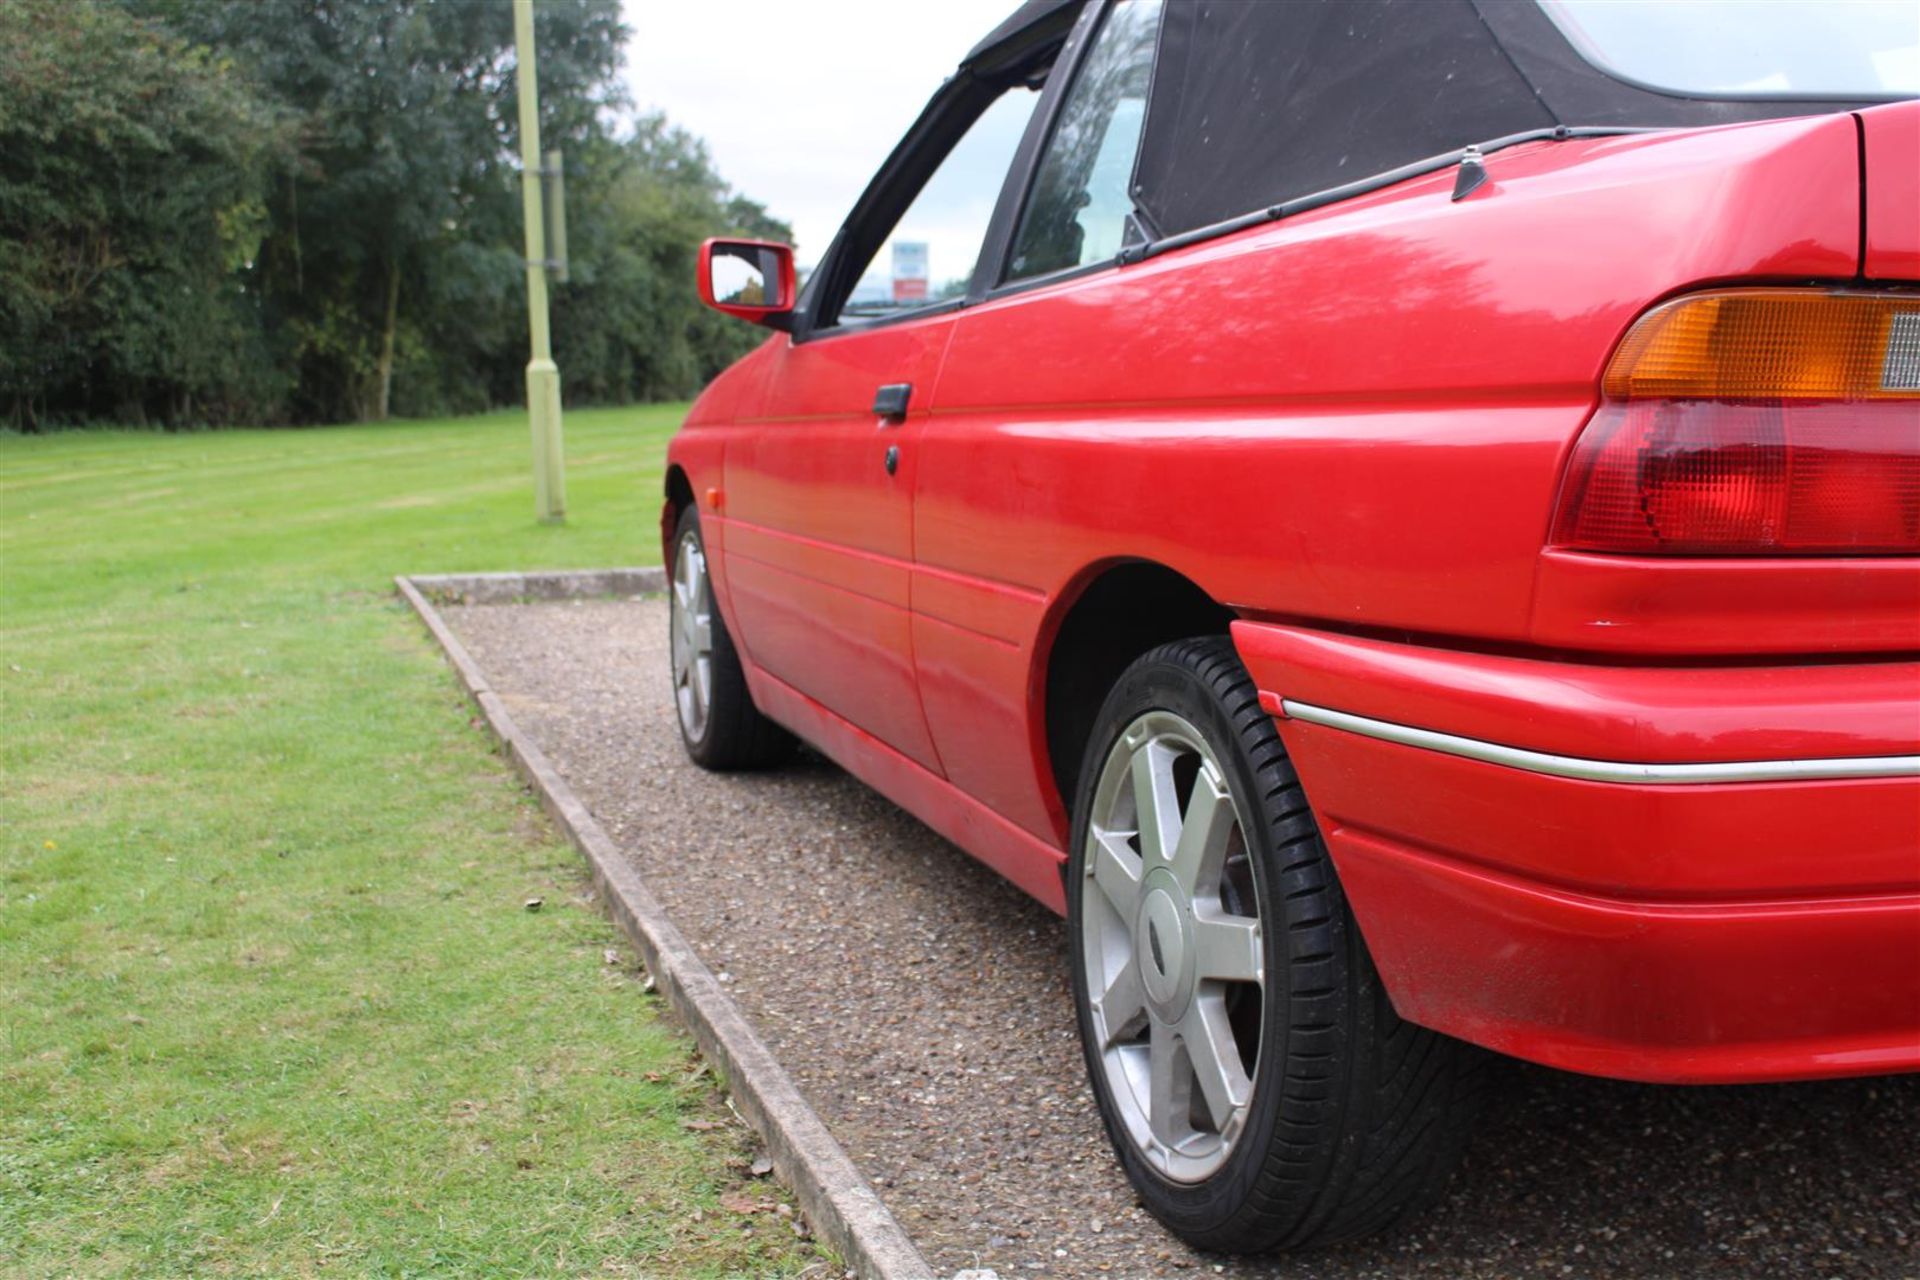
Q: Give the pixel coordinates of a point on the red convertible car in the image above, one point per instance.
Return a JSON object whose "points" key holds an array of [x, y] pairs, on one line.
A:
{"points": [[1400, 520]]}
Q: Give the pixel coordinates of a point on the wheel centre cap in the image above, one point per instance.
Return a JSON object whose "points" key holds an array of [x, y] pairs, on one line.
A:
{"points": [[1163, 947]]}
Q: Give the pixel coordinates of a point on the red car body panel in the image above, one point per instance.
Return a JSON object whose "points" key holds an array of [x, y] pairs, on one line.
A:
{"points": [[803, 505], [1889, 141], [1625, 605], [1349, 427], [1693, 993], [1654, 932]]}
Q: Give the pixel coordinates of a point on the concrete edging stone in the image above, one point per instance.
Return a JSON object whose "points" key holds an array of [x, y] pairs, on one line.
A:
{"points": [[507, 588], [838, 1202]]}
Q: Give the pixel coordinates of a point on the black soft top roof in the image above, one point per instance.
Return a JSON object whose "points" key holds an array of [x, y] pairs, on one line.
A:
{"points": [[1256, 102]]}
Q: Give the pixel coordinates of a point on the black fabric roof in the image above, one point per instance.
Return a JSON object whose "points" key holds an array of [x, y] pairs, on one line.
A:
{"points": [[1257, 102]]}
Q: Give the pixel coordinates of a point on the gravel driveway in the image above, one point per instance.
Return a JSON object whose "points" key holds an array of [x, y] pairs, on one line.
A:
{"points": [[922, 1005]]}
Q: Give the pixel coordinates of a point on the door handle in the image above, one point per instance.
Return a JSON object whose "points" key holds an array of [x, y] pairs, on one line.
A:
{"points": [[890, 403], [893, 458]]}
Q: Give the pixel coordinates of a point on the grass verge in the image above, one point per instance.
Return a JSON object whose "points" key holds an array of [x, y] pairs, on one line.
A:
{"points": [[270, 1001]]}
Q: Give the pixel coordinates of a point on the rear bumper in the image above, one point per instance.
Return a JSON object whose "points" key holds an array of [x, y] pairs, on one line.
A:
{"points": [[1668, 874]]}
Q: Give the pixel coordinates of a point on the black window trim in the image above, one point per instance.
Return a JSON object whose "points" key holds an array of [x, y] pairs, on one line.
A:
{"points": [[999, 285], [953, 110], [1363, 186], [997, 248]]}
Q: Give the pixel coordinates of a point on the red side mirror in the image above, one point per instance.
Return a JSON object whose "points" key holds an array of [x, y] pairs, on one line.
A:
{"points": [[751, 279]]}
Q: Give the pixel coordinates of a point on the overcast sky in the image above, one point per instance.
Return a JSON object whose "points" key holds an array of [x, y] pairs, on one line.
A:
{"points": [[799, 100]]}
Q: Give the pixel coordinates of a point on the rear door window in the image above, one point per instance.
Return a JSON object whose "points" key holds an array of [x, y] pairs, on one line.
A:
{"points": [[1081, 207]]}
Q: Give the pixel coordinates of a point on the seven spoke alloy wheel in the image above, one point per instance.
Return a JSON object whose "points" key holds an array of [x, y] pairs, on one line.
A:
{"points": [[1171, 944], [1254, 1079], [719, 724]]}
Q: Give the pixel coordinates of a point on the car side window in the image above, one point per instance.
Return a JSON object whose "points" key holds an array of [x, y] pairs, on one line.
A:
{"points": [[1081, 207], [929, 256]]}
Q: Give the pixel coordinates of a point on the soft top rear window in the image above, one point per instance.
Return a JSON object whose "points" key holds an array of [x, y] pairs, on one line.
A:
{"points": [[1750, 48]]}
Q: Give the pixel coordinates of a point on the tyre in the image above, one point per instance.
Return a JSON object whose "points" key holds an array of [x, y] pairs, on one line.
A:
{"points": [[719, 724], [1254, 1080]]}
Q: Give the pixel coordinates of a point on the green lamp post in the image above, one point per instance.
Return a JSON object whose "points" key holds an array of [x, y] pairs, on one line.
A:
{"points": [[543, 376]]}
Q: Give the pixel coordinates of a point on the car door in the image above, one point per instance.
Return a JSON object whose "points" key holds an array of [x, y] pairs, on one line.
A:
{"points": [[819, 528], [987, 566], [819, 488]]}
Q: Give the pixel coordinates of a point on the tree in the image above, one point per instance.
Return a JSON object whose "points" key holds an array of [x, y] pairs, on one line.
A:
{"points": [[630, 324], [309, 211], [133, 171], [394, 229]]}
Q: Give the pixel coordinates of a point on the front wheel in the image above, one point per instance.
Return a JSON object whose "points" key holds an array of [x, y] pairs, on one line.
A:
{"points": [[719, 724], [1254, 1080]]}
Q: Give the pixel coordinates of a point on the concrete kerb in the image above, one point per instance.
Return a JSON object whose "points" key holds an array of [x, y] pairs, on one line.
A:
{"points": [[838, 1202], [505, 588]]}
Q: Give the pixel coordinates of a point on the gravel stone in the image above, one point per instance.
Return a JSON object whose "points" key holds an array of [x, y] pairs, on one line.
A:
{"points": [[921, 1003]]}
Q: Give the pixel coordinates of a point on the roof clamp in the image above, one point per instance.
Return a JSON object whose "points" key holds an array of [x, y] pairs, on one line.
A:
{"points": [[1471, 174]]}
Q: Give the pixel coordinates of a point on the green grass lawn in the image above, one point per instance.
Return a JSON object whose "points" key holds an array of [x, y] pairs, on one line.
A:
{"points": [[269, 1000]]}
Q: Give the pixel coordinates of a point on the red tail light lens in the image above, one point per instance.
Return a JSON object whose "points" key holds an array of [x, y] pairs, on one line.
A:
{"points": [[1763, 422], [1691, 477]]}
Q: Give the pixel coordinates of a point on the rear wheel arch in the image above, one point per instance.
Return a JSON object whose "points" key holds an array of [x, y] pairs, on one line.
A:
{"points": [[1111, 614]]}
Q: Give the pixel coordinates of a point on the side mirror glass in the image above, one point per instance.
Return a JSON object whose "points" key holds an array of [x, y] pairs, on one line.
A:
{"points": [[751, 279]]}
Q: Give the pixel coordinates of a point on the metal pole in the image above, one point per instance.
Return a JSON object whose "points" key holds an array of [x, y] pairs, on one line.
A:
{"points": [[543, 376]]}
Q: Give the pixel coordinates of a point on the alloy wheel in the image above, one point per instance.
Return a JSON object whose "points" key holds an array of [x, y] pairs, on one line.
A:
{"points": [[692, 637], [1172, 947]]}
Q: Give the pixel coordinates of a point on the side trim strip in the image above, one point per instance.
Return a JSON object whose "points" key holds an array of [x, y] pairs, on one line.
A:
{"points": [[1607, 770]]}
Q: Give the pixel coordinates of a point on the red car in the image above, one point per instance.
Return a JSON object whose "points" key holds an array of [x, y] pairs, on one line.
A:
{"points": [[1400, 521]]}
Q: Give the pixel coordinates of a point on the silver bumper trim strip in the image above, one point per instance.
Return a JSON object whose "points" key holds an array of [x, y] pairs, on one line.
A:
{"points": [[1607, 770]]}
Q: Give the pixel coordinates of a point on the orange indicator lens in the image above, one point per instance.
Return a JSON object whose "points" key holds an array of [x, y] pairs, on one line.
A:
{"points": [[1793, 344]]}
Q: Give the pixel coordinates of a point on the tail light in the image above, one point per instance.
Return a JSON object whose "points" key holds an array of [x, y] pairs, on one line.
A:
{"points": [[1755, 422]]}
